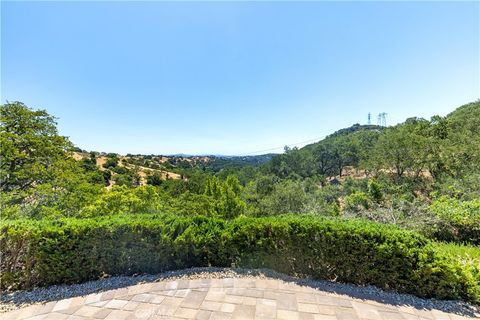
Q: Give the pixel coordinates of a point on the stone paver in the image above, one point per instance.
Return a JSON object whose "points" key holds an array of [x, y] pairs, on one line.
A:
{"points": [[210, 299]]}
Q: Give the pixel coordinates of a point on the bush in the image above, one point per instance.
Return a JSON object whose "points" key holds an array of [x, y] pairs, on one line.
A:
{"points": [[124, 200], [357, 201], [460, 220], [119, 170], [287, 197], [36, 253], [375, 190], [154, 179], [110, 163]]}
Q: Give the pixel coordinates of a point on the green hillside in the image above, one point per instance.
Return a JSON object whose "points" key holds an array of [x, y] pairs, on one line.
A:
{"points": [[409, 193]]}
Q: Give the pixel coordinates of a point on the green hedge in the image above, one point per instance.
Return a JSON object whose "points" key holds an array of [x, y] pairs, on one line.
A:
{"points": [[37, 253]]}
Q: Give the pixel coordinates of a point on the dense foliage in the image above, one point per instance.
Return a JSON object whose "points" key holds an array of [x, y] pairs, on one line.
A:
{"points": [[460, 220], [74, 250], [422, 176]]}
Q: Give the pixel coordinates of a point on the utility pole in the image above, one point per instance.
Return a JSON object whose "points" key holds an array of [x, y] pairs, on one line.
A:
{"points": [[369, 120]]}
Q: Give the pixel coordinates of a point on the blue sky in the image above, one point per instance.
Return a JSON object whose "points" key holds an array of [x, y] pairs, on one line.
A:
{"points": [[234, 77]]}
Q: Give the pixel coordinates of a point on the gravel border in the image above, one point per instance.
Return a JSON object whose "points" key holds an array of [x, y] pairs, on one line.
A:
{"points": [[19, 299]]}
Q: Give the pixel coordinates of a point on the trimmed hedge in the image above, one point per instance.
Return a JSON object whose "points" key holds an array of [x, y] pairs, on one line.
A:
{"points": [[37, 253]]}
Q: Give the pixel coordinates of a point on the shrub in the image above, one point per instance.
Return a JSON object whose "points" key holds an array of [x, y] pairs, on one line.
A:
{"points": [[154, 179], [287, 196], [375, 190], [357, 201], [124, 200], [460, 220], [119, 170], [36, 253], [124, 180], [111, 163], [226, 196]]}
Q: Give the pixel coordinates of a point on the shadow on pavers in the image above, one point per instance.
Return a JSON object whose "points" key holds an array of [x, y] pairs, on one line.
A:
{"points": [[15, 299]]}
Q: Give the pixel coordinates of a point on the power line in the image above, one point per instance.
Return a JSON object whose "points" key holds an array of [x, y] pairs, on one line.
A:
{"points": [[288, 145], [381, 121]]}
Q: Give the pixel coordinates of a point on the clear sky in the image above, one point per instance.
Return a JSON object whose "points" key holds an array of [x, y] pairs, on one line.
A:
{"points": [[234, 77]]}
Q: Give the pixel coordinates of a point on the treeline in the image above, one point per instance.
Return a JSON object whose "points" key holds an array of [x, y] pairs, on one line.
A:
{"points": [[440, 148], [421, 174]]}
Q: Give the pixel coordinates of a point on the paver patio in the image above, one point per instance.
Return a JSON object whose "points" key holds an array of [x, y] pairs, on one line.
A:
{"points": [[230, 298]]}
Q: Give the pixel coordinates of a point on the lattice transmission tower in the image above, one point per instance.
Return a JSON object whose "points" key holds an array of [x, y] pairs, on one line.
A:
{"points": [[382, 119]]}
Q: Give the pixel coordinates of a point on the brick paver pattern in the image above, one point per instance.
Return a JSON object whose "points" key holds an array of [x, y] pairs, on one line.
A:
{"points": [[230, 298]]}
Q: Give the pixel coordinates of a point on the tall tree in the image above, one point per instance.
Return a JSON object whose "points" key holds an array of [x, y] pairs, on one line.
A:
{"points": [[402, 148], [30, 147]]}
